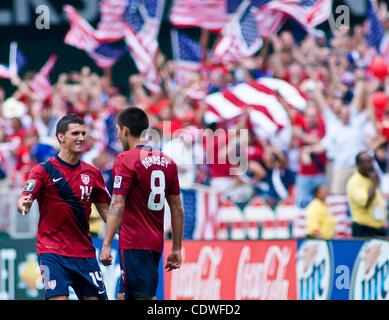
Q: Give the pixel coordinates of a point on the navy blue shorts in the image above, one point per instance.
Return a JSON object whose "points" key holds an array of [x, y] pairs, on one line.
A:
{"points": [[82, 274], [140, 273]]}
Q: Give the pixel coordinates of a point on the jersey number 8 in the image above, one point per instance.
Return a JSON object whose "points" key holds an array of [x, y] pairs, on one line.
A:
{"points": [[157, 190]]}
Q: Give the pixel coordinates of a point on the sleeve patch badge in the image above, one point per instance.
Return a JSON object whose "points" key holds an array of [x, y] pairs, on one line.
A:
{"points": [[117, 182], [30, 184]]}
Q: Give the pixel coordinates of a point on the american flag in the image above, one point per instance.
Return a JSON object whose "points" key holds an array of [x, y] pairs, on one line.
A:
{"points": [[205, 14], [141, 31], [200, 207], [113, 12], [40, 83], [239, 37], [187, 54], [267, 116], [109, 28], [107, 54], [376, 37], [144, 58], [83, 36], [269, 21], [309, 13]]}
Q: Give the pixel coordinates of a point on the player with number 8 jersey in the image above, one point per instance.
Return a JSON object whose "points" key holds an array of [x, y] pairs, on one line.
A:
{"points": [[143, 178]]}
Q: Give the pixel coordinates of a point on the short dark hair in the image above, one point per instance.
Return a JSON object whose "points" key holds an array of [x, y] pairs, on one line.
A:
{"points": [[63, 123], [135, 119], [316, 190], [359, 156]]}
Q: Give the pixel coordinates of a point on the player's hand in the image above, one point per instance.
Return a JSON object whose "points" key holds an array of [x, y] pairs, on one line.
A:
{"points": [[24, 204], [105, 256], [174, 260]]}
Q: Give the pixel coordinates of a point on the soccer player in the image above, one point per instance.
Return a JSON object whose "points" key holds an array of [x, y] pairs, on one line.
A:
{"points": [[143, 178], [65, 188]]}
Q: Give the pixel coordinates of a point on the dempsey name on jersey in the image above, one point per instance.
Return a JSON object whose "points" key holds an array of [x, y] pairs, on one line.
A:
{"points": [[156, 160]]}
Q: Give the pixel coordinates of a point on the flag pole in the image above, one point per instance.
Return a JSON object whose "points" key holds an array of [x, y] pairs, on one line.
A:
{"points": [[13, 69]]}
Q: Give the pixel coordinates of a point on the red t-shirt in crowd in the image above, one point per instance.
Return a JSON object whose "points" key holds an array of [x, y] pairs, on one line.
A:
{"points": [[144, 175], [317, 165], [216, 157], [65, 194]]}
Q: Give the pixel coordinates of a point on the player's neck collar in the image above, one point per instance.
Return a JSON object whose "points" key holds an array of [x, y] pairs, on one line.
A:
{"points": [[142, 145], [66, 163]]}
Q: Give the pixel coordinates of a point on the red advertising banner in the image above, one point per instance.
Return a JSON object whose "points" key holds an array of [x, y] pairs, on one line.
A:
{"points": [[234, 270]]}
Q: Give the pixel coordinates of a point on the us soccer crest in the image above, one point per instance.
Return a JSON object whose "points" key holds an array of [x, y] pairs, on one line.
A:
{"points": [[85, 178], [52, 284]]}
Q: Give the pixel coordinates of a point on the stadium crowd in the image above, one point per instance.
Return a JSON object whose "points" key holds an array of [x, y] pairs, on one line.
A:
{"points": [[344, 82]]}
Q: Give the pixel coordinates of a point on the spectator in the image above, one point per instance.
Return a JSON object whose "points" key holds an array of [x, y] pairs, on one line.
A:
{"points": [[320, 222], [347, 135], [309, 130], [278, 179], [186, 153], [366, 203]]}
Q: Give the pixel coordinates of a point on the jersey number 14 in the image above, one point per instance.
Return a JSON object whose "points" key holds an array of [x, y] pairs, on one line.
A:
{"points": [[157, 190], [86, 192]]}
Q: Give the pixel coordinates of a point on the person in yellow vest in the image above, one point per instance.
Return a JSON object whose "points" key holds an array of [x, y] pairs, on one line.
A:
{"points": [[320, 222], [367, 205]]}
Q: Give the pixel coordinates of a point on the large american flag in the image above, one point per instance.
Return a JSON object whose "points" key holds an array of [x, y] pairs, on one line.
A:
{"points": [[40, 83], [376, 37], [239, 37], [267, 116], [83, 36]]}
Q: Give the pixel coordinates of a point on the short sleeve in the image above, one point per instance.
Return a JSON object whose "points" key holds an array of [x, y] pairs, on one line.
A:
{"points": [[35, 181], [123, 174], [313, 219], [101, 194], [174, 186], [357, 194]]}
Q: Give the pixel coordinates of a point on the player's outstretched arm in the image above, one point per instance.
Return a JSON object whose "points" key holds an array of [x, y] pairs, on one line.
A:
{"points": [[174, 259], [114, 219], [24, 204]]}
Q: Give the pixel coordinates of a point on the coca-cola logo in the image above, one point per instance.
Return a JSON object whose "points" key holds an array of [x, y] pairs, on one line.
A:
{"points": [[313, 270], [263, 280], [198, 280], [370, 279]]}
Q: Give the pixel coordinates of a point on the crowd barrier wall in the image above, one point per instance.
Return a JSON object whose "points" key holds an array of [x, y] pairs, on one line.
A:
{"points": [[219, 270]]}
